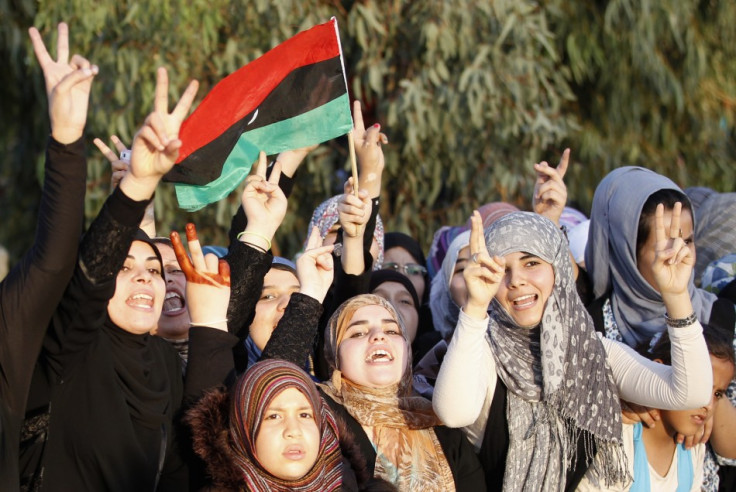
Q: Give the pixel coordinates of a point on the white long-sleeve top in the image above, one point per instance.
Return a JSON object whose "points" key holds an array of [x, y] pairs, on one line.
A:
{"points": [[467, 379]]}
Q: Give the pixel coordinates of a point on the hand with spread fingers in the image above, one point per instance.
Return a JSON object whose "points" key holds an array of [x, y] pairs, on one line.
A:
{"points": [[68, 85], [156, 145], [208, 282], [673, 258], [354, 211], [264, 204], [368, 152], [315, 267], [550, 192], [482, 274]]}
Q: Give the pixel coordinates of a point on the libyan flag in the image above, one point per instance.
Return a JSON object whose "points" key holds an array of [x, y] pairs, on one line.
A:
{"points": [[291, 97]]}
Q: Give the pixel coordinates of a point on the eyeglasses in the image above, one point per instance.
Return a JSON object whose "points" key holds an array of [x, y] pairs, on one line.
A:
{"points": [[408, 269]]}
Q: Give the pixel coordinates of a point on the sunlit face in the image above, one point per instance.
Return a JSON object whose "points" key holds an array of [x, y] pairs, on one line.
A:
{"points": [[401, 299], [689, 422], [139, 291], [525, 288], [287, 444], [645, 257], [373, 352], [174, 320], [458, 289], [400, 256], [278, 285]]}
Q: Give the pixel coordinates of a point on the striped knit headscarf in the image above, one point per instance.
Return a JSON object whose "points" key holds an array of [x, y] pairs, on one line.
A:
{"points": [[250, 399]]}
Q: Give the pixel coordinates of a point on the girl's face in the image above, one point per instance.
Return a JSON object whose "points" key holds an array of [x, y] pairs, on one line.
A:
{"points": [[689, 422], [402, 300], [278, 285], [287, 444], [525, 288], [139, 291], [458, 289], [401, 257], [645, 256], [373, 352], [174, 320]]}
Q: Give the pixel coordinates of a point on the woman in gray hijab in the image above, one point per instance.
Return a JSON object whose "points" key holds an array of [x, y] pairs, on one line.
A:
{"points": [[628, 305], [536, 390]]}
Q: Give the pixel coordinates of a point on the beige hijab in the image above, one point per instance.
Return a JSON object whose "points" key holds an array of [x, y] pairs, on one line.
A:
{"points": [[402, 423]]}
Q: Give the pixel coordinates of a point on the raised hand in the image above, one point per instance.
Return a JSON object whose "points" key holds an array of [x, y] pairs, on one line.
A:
{"points": [[68, 85], [354, 211], [550, 192], [483, 274], [673, 259], [264, 204], [117, 164], [156, 145], [290, 160], [208, 281], [315, 268], [369, 153]]}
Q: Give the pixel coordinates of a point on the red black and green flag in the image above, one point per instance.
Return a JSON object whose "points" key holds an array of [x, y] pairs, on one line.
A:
{"points": [[293, 96]]}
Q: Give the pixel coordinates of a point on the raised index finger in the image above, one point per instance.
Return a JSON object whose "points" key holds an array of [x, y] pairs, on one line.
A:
{"points": [[181, 255], [161, 97], [62, 43], [659, 235], [675, 230], [564, 161], [477, 241], [106, 151], [358, 118]]}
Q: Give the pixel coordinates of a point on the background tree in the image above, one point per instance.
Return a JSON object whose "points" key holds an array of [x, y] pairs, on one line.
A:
{"points": [[471, 93]]}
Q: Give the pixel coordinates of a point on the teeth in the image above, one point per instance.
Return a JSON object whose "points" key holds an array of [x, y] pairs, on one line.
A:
{"points": [[379, 354], [524, 298], [170, 295], [142, 296]]}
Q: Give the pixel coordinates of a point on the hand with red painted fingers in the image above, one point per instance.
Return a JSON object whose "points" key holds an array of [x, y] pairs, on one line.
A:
{"points": [[550, 192], [264, 204], [368, 152], [208, 282], [353, 211], [483, 275], [156, 145], [673, 263], [315, 267], [68, 84], [631, 413]]}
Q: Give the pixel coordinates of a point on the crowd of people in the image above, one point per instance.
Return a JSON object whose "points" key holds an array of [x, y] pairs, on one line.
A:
{"points": [[527, 350]]}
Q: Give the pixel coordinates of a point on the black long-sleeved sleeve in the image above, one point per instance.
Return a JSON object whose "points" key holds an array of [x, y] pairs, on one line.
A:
{"points": [[33, 288], [293, 337]]}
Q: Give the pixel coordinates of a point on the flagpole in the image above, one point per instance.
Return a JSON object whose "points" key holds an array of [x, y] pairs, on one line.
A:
{"points": [[353, 162]]}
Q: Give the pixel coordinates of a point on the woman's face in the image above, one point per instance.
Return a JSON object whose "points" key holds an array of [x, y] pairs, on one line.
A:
{"points": [[139, 291], [278, 285], [458, 289], [689, 422], [174, 320], [401, 299], [373, 352], [525, 288], [287, 444], [401, 257], [645, 256]]}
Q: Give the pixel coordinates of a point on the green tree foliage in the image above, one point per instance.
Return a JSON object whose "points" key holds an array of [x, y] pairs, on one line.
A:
{"points": [[470, 92]]}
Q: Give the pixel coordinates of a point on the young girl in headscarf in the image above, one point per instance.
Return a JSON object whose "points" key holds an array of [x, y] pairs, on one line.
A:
{"points": [[536, 388], [272, 433]]}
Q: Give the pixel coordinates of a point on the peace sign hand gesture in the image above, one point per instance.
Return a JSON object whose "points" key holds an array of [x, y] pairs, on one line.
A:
{"points": [[156, 145], [264, 204], [315, 267], [208, 281], [482, 274], [550, 192], [68, 84]]}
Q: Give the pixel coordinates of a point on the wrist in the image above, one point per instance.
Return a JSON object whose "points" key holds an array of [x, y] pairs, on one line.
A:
{"points": [[678, 305], [139, 188], [476, 310], [66, 135], [256, 237], [315, 294]]}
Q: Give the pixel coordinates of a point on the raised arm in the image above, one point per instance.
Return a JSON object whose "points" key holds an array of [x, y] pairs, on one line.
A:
{"points": [[467, 376], [687, 383]]}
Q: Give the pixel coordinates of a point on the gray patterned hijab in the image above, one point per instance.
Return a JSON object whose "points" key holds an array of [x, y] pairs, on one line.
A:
{"points": [[558, 381], [610, 257]]}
